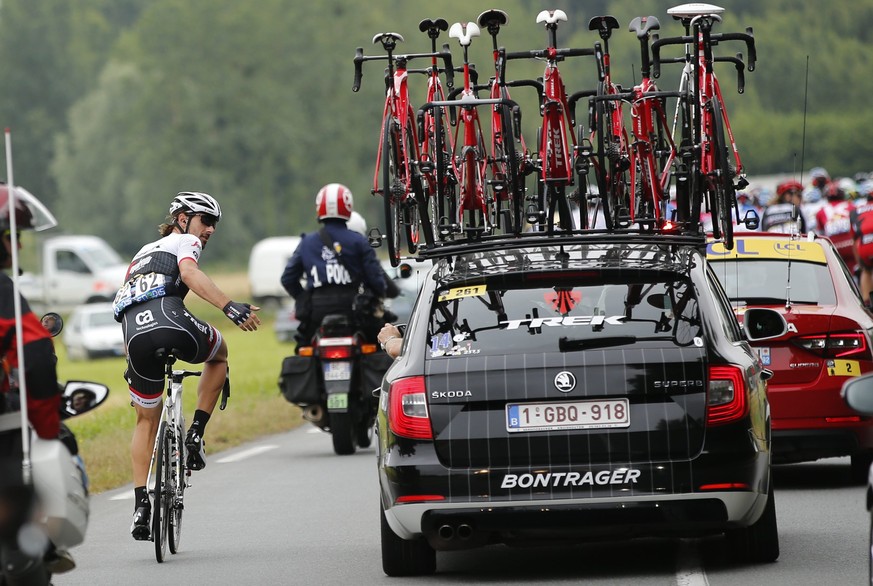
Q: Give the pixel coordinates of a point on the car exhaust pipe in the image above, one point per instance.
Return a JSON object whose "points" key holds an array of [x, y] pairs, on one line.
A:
{"points": [[465, 531], [446, 532]]}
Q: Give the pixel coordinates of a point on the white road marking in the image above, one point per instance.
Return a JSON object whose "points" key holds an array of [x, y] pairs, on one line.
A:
{"points": [[126, 495], [688, 570], [247, 453]]}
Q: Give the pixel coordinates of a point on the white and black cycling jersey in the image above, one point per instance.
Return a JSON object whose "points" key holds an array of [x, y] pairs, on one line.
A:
{"points": [[154, 270]]}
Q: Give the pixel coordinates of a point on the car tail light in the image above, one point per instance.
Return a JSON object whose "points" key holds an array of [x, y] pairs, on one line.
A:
{"points": [[407, 408], [834, 345], [726, 400]]}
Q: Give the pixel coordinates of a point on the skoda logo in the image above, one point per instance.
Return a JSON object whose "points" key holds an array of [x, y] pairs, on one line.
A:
{"points": [[565, 381]]}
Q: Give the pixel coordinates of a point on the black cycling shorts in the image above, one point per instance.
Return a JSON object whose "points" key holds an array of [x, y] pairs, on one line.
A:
{"points": [[162, 323]]}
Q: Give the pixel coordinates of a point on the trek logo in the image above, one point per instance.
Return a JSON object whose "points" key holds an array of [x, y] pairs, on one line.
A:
{"points": [[144, 317], [558, 147], [562, 479], [576, 320], [140, 264]]}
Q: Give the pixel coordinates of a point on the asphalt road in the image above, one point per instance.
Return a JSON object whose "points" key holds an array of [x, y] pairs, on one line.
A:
{"points": [[286, 510]]}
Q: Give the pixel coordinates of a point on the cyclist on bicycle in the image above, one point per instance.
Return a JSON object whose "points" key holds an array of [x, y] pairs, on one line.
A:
{"points": [[335, 260], [785, 215], [17, 499], [862, 235], [832, 220], [152, 312]]}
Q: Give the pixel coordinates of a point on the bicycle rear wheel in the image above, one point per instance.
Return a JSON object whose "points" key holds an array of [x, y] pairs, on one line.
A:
{"points": [[178, 474], [163, 493], [511, 170], [393, 189], [723, 183], [612, 163]]}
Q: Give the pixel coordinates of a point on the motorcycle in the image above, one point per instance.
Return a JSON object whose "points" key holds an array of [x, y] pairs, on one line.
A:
{"points": [[60, 483], [332, 381]]}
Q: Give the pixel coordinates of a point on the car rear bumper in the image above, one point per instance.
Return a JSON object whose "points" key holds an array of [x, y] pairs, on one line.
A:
{"points": [[810, 442], [461, 526]]}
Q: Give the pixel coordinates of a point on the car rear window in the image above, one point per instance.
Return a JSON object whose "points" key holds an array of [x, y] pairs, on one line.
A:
{"points": [[761, 282], [499, 318]]}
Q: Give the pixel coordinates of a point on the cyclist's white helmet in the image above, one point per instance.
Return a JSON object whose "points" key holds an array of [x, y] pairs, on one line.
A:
{"points": [[357, 223], [195, 202], [334, 200]]}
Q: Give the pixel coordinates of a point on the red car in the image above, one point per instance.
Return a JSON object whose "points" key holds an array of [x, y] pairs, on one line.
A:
{"points": [[828, 341]]}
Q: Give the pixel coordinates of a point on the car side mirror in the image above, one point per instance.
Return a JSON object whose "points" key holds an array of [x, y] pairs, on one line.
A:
{"points": [[858, 393], [763, 324], [53, 323]]}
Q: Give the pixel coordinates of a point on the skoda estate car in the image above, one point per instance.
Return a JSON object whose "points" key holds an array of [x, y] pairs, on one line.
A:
{"points": [[828, 342], [571, 392]]}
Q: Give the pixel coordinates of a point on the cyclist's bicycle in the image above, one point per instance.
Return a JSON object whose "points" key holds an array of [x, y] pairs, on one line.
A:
{"points": [[168, 471], [554, 146], [437, 142], [397, 162], [709, 160]]}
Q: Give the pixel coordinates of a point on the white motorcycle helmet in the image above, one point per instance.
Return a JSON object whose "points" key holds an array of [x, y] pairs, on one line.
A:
{"points": [[357, 223]]}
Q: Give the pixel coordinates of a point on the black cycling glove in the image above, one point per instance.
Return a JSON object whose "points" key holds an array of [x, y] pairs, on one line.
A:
{"points": [[237, 312]]}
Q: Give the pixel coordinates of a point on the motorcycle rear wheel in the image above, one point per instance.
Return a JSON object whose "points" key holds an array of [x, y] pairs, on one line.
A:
{"points": [[342, 432]]}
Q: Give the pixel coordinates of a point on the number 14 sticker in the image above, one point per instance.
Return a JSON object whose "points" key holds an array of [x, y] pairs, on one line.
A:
{"points": [[843, 368]]}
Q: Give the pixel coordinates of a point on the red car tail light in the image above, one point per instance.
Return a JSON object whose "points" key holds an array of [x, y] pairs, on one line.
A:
{"points": [[407, 409], [726, 400], [834, 345]]}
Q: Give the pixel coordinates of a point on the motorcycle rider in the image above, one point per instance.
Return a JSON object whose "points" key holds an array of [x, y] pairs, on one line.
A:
{"points": [[336, 262], [150, 306], [17, 498]]}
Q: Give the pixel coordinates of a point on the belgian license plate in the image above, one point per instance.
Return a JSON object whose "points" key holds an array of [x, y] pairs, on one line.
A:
{"points": [[337, 370], [567, 415]]}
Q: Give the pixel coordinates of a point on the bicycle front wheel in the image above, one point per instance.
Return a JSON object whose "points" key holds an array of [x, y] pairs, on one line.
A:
{"points": [[723, 188], [178, 474], [393, 189], [163, 493]]}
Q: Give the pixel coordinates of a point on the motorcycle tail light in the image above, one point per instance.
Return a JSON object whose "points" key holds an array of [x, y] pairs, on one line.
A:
{"points": [[835, 345], [407, 409], [726, 400], [335, 352], [369, 348]]}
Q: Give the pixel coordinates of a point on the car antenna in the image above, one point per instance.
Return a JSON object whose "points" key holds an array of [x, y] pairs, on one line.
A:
{"points": [[795, 232]]}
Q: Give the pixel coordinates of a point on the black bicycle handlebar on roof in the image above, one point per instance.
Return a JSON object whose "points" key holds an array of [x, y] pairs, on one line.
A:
{"points": [[714, 38], [445, 55]]}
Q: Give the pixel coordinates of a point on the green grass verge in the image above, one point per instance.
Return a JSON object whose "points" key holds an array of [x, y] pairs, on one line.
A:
{"points": [[255, 407]]}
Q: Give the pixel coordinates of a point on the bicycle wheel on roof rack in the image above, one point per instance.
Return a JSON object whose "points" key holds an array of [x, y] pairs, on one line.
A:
{"points": [[393, 188], [723, 185], [612, 162], [508, 172], [415, 218]]}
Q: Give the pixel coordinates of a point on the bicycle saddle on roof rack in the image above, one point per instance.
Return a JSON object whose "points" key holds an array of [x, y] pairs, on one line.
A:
{"points": [[464, 32], [694, 9], [433, 26], [551, 16], [382, 37], [493, 18]]}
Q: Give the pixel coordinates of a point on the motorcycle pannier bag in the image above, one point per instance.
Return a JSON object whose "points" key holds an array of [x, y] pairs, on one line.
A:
{"points": [[373, 368], [299, 380]]}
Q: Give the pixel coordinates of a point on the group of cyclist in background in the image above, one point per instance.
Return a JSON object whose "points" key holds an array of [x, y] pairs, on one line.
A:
{"points": [[840, 208]]}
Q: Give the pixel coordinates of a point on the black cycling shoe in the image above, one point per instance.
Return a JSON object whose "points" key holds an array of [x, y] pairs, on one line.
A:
{"points": [[196, 454], [140, 526]]}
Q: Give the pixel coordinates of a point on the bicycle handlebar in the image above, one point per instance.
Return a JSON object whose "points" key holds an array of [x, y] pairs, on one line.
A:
{"points": [[545, 53], [359, 59], [714, 38]]}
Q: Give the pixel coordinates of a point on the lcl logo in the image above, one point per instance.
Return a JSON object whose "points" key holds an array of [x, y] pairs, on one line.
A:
{"points": [[144, 317]]}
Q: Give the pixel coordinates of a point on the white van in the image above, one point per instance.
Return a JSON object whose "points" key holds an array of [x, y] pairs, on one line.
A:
{"points": [[266, 263]]}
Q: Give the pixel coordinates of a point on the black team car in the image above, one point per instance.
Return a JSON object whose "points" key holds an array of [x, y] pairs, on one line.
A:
{"points": [[598, 388]]}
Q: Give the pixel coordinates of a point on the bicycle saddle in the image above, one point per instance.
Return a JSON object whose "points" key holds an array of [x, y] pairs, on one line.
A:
{"points": [[433, 26], [695, 9], [464, 32], [165, 354], [492, 20], [642, 25], [603, 25], [551, 16], [387, 39]]}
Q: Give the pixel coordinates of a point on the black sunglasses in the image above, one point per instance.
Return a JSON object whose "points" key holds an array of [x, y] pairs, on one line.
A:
{"points": [[208, 221]]}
